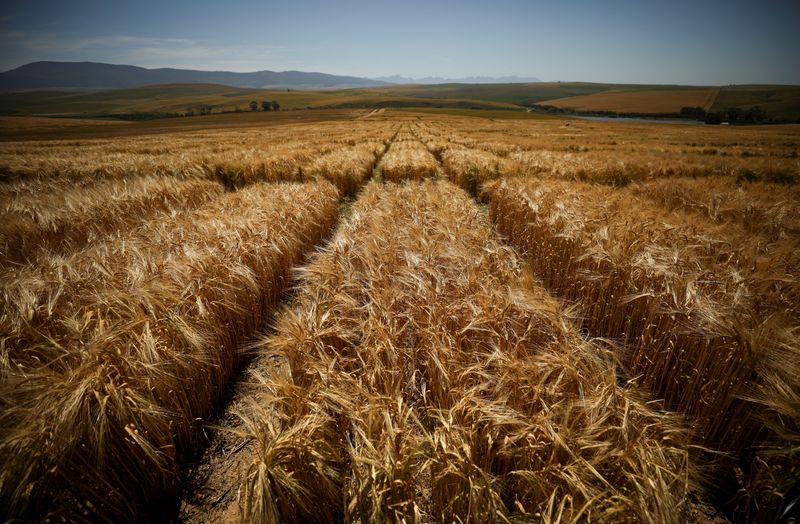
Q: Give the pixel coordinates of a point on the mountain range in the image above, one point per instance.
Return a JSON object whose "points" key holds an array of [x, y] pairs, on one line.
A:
{"points": [[93, 75]]}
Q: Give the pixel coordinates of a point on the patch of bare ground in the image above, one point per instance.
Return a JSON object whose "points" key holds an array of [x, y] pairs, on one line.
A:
{"points": [[212, 482]]}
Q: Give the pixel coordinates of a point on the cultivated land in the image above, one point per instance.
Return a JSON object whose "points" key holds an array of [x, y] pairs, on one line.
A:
{"points": [[651, 101], [388, 315], [159, 101]]}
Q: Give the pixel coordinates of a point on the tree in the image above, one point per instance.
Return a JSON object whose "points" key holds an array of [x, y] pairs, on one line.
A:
{"points": [[266, 105], [693, 112], [276, 106], [253, 106], [755, 114], [733, 114]]}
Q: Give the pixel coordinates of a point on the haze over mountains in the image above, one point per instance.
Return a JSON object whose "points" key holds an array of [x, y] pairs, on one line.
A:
{"points": [[92, 75]]}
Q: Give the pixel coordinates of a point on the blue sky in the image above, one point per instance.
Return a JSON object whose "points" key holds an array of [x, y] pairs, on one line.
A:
{"points": [[678, 41]]}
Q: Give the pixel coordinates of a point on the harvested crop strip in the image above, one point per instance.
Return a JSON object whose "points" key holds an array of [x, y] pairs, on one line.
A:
{"points": [[419, 376], [408, 159], [700, 327], [107, 370], [59, 223]]}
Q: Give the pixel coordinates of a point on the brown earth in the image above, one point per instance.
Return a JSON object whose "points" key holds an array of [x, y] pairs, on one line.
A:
{"points": [[650, 101]]}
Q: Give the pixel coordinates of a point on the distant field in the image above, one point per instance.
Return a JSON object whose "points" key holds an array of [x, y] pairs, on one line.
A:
{"points": [[519, 94], [368, 99], [775, 100], [13, 124], [51, 128], [181, 99], [173, 98], [43, 128], [655, 101], [161, 101], [477, 113]]}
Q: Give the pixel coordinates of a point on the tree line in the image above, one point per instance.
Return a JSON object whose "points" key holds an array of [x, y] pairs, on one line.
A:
{"points": [[732, 115], [205, 109], [266, 105]]}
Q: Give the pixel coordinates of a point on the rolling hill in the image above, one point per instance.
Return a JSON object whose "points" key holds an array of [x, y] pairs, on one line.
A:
{"points": [[779, 102], [159, 100], [518, 94], [641, 101], [782, 101], [174, 99]]}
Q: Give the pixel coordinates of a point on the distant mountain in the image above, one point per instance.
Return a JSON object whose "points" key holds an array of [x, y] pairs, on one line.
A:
{"points": [[396, 79], [92, 75]]}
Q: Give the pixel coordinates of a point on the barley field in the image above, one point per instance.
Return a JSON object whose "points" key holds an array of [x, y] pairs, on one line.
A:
{"points": [[402, 317]]}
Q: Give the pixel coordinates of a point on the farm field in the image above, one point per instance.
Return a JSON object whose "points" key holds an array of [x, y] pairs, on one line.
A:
{"points": [[164, 100], [645, 101], [399, 315]]}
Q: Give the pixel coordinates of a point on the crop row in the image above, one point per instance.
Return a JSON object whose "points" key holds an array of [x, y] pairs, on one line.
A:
{"points": [[59, 223], [419, 376], [180, 152], [758, 207], [613, 154], [408, 159], [573, 150], [706, 315], [111, 355]]}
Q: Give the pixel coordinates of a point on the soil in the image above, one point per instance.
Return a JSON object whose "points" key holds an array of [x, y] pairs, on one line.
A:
{"points": [[212, 482]]}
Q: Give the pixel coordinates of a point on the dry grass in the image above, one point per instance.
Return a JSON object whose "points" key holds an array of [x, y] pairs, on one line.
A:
{"points": [[418, 376], [59, 222], [707, 316], [109, 357]]}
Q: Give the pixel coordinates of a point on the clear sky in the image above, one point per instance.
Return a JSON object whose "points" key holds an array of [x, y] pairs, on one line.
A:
{"points": [[643, 41]]}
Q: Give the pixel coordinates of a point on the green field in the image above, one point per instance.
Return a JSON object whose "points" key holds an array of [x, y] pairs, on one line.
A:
{"points": [[518, 94], [177, 98], [183, 98], [775, 100], [160, 101], [476, 113], [782, 102], [43, 128]]}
